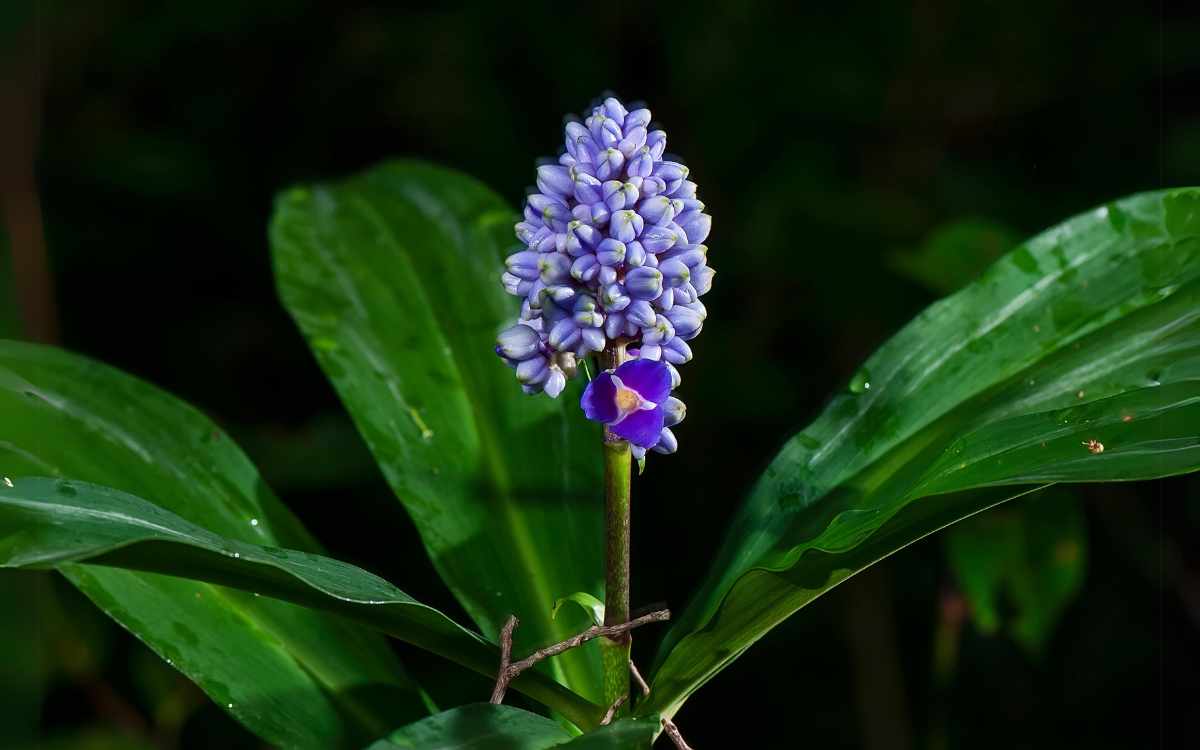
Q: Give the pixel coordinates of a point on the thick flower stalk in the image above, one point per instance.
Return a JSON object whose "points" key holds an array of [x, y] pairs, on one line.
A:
{"points": [[613, 258]]}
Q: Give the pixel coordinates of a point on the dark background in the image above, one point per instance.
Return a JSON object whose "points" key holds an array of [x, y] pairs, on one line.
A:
{"points": [[827, 142]]}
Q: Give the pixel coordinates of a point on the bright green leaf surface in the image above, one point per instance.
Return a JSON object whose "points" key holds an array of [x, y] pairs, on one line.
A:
{"points": [[1029, 558], [479, 726], [585, 601], [51, 522], [393, 277], [483, 726], [1089, 331], [295, 677]]}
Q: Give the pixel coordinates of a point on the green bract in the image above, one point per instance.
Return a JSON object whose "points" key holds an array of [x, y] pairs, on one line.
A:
{"points": [[1086, 335]]}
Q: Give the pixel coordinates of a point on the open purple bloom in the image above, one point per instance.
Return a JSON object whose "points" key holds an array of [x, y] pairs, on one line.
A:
{"points": [[629, 400], [611, 251]]}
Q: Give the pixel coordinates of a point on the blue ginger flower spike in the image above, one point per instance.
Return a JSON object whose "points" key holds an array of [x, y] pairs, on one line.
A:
{"points": [[613, 262]]}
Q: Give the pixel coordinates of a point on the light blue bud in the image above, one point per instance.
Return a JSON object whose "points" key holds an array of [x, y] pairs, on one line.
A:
{"points": [[695, 225], [686, 321], [702, 279], [554, 268], [641, 314], [638, 118], [635, 254], [610, 252], [626, 226], [644, 283], [657, 210], [656, 140], [666, 442], [675, 273], [518, 342], [661, 332], [533, 371], [676, 351], [564, 335], [524, 264], [556, 382], [585, 268], [615, 298], [553, 179], [590, 340]]}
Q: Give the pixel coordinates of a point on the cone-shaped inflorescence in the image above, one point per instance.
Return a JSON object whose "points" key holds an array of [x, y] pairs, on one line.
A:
{"points": [[613, 253]]}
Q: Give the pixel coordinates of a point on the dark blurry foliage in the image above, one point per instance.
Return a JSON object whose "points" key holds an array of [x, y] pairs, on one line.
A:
{"points": [[832, 140]]}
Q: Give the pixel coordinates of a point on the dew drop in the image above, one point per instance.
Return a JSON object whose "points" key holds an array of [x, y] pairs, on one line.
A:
{"points": [[8, 482], [65, 490], [253, 521], [861, 382]]}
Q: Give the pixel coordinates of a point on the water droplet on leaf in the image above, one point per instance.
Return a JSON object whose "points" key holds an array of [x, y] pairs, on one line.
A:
{"points": [[861, 382]]}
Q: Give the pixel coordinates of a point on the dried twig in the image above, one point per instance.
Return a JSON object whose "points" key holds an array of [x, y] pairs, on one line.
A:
{"points": [[505, 655], [612, 710], [637, 677], [673, 732], [509, 671]]}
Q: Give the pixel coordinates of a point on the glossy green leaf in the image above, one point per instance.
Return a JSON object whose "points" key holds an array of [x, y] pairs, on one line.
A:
{"points": [[47, 523], [482, 726], [1089, 331], [1028, 558], [393, 277], [585, 601], [296, 678]]}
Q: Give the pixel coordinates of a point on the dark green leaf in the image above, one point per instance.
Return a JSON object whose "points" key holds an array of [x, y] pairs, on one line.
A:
{"points": [[955, 254], [393, 277], [479, 726], [1029, 558], [1090, 331], [483, 726], [52, 522], [67, 416]]}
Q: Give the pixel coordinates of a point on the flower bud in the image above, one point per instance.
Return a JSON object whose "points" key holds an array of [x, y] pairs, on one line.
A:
{"points": [[610, 252], [666, 442], [554, 180], [644, 283], [518, 342]]}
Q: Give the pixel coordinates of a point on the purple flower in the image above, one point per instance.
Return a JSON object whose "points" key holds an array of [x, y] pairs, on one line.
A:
{"points": [[629, 400], [611, 251]]}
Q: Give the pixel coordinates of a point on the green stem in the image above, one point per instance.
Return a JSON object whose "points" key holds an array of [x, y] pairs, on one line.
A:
{"points": [[617, 473]]}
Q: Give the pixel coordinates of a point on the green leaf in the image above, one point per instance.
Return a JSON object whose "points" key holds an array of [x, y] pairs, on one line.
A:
{"points": [[52, 522], [393, 277], [955, 254], [1029, 558], [479, 726], [64, 415], [588, 603], [1089, 331], [482, 726]]}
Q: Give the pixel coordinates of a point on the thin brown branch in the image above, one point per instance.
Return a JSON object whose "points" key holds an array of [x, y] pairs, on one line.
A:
{"points": [[673, 733], [612, 710], [637, 677], [505, 655], [510, 670]]}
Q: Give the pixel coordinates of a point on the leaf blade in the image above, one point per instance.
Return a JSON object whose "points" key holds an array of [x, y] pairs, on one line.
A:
{"points": [[392, 276], [66, 415], [1081, 312], [51, 523]]}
